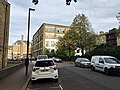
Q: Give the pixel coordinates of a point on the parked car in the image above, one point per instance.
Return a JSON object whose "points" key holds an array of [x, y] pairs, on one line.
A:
{"points": [[39, 57], [56, 59], [82, 62], [45, 69], [107, 64]]}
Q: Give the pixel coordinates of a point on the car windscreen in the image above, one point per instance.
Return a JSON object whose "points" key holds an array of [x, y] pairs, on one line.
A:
{"points": [[42, 57], [85, 61], [111, 60], [44, 63]]}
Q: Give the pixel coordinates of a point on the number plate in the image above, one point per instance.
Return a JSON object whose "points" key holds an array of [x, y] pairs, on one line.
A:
{"points": [[44, 70]]}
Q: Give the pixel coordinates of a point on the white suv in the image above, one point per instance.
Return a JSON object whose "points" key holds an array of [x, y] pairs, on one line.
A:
{"points": [[107, 64], [45, 69]]}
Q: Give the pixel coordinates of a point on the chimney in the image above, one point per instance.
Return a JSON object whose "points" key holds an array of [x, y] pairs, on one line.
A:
{"points": [[22, 39]]}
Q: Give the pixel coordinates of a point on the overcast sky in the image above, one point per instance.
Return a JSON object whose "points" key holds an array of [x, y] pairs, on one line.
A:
{"points": [[101, 14]]}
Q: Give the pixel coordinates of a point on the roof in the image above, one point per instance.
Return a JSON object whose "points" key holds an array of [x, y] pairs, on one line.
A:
{"points": [[103, 56], [19, 42], [45, 60]]}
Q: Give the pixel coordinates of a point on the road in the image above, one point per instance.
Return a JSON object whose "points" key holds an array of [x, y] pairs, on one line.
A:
{"points": [[76, 78]]}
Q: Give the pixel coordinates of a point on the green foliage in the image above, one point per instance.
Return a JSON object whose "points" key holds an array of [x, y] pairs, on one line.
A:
{"points": [[80, 35], [47, 51], [105, 49], [84, 35]]}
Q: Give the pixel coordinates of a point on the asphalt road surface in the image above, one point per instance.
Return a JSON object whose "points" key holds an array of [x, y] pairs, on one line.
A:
{"points": [[76, 78]]}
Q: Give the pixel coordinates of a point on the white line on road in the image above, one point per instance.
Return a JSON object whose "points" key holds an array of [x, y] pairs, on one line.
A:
{"points": [[61, 87]]}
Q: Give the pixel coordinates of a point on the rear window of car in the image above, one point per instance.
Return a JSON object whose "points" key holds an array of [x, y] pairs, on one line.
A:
{"points": [[85, 60], [42, 57], [44, 63]]}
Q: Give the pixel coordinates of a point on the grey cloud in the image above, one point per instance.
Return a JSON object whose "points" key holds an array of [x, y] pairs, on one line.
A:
{"points": [[101, 13]]}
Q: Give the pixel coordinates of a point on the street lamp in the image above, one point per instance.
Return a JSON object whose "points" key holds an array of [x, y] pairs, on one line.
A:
{"points": [[27, 57]]}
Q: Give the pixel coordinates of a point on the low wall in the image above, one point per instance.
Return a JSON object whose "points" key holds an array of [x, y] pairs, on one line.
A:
{"points": [[8, 71]]}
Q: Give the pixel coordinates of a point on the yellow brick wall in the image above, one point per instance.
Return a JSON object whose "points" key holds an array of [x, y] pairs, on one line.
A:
{"points": [[2, 25]]}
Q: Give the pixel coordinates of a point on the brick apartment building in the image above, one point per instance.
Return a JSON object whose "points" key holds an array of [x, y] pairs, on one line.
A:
{"points": [[46, 37], [112, 37]]}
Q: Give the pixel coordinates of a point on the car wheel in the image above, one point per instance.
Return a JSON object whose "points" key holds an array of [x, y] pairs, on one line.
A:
{"points": [[32, 81], [55, 80], [76, 65], [93, 68], [107, 71], [81, 66]]}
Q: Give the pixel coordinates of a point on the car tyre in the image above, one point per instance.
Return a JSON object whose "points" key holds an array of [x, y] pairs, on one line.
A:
{"points": [[81, 66], [93, 68], [107, 71], [56, 80], [32, 82], [75, 65]]}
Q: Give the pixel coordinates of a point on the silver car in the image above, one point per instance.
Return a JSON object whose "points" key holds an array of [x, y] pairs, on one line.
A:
{"points": [[56, 59], [82, 62]]}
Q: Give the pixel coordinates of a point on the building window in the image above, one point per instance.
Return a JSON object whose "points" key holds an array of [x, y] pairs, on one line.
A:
{"points": [[58, 36], [49, 36], [50, 29], [61, 30], [47, 43], [52, 43]]}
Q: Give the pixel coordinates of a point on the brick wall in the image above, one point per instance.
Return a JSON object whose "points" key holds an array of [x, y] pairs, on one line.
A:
{"points": [[2, 27]]}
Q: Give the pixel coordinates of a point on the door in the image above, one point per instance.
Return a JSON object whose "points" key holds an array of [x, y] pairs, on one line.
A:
{"points": [[100, 64]]}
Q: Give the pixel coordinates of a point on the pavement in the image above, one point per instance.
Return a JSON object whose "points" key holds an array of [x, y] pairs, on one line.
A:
{"points": [[17, 80]]}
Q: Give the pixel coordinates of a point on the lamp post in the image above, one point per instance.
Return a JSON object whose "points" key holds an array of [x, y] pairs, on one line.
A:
{"points": [[27, 57]]}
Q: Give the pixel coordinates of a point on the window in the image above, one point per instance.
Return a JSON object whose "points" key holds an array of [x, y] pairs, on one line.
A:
{"points": [[44, 63], [111, 60], [101, 60], [50, 29], [42, 57], [52, 43], [50, 36], [61, 30], [47, 43]]}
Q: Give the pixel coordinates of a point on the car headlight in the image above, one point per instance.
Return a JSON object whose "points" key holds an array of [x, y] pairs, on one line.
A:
{"points": [[112, 66]]}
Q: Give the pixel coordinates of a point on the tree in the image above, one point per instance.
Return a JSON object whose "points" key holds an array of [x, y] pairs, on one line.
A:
{"points": [[104, 49], [35, 2], [84, 35], [67, 2], [47, 51], [80, 35]]}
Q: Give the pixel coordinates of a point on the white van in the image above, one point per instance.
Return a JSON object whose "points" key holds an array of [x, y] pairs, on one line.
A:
{"points": [[107, 64]]}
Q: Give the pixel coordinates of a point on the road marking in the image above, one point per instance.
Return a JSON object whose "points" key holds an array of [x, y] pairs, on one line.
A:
{"points": [[61, 87]]}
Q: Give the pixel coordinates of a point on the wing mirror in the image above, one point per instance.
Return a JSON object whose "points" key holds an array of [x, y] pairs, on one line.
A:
{"points": [[101, 62]]}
